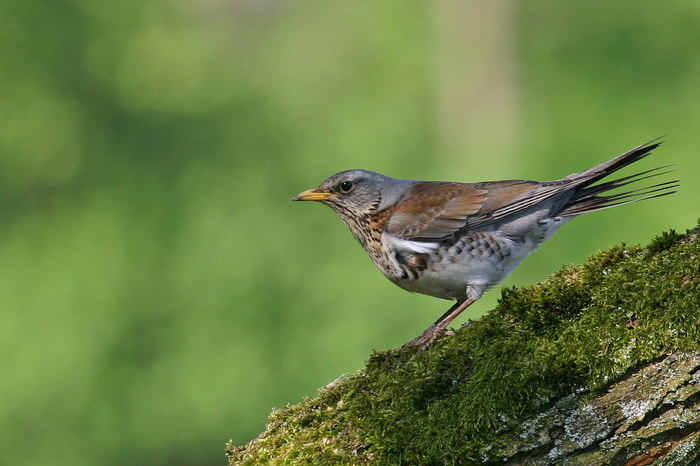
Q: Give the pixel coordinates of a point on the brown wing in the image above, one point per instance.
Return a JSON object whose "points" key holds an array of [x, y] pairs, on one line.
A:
{"points": [[434, 210]]}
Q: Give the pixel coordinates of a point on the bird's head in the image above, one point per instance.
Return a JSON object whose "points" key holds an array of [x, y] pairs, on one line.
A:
{"points": [[354, 193]]}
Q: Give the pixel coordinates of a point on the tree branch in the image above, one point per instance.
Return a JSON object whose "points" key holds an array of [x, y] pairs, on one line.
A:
{"points": [[596, 365]]}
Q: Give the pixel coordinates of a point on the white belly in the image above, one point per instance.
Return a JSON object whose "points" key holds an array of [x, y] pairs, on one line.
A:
{"points": [[475, 264]]}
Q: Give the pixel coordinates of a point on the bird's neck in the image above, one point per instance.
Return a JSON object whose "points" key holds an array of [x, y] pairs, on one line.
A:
{"points": [[367, 230], [359, 227]]}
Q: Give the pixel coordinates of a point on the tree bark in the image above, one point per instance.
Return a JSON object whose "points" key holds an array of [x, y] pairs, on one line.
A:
{"points": [[651, 414]]}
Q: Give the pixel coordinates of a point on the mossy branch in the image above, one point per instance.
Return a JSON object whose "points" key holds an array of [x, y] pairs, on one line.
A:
{"points": [[597, 365]]}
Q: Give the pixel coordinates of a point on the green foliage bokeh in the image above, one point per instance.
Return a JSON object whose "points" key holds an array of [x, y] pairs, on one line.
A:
{"points": [[160, 294]]}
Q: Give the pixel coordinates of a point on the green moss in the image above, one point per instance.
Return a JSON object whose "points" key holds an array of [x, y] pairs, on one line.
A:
{"points": [[580, 330], [663, 242]]}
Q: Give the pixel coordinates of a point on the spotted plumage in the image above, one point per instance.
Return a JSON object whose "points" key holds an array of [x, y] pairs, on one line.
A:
{"points": [[455, 240]]}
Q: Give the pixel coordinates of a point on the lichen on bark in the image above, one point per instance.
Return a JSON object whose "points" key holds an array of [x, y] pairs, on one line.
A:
{"points": [[596, 365]]}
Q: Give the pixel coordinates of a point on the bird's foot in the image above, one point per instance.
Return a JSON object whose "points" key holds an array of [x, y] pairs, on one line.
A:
{"points": [[439, 327], [427, 338]]}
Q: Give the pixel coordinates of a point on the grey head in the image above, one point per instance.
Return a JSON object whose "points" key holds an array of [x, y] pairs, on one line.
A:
{"points": [[354, 193]]}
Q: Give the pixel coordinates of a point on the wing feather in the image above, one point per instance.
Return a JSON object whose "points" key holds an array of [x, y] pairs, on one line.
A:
{"points": [[435, 210]]}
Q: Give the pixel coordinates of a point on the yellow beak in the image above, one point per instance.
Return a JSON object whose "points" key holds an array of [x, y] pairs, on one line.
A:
{"points": [[313, 195]]}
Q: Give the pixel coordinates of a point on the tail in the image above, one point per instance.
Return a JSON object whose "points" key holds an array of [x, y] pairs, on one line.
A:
{"points": [[588, 197]]}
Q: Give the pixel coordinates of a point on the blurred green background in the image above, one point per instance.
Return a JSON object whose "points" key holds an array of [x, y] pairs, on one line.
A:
{"points": [[159, 292]]}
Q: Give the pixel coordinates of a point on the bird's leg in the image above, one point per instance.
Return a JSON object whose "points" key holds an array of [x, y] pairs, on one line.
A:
{"points": [[432, 332]]}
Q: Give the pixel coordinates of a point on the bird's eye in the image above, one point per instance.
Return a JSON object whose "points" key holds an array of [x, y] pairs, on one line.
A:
{"points": [[346, 186]]}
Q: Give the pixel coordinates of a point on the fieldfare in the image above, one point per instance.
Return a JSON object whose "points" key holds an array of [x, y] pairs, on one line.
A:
{"points": [[456, 240]]}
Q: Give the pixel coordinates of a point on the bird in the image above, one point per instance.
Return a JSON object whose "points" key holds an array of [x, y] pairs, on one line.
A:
{"points": [[456, 240]]}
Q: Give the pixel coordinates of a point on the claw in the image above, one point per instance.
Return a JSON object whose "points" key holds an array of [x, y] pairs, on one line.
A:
{"points": [[426, 339], [431, 333]]}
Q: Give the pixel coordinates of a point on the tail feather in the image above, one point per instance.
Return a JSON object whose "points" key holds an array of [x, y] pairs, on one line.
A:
{"points": [[599, 172], [589, 191], [588, 196], [605, 202]]}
